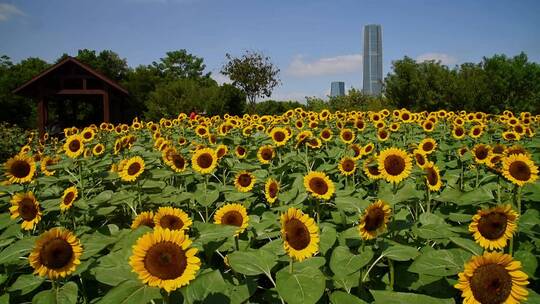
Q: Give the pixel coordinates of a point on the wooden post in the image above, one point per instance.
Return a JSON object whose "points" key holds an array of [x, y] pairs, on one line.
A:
{"points": [[41, 116], [106, 108]]}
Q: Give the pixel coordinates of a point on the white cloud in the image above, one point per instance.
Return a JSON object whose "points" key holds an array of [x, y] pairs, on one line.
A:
{"points": [[443, 58], [220, 78], [325, 66], [9, 10]]}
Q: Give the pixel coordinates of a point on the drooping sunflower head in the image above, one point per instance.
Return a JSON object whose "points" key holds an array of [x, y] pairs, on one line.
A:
{"points": [[172, 218], [493, 227], [25, 206], [519, 169], [232, 215], [271, 190], [244, 181], [420, 158], [367, 149], [319, 185], [69, 196], [74, 146], [371, 169], [395, 164], [56, 254], [346, 135], [347, 166], [145, 218], [132, 169], [373, 221], [427, 145], [221, 151], [20, 169], [356, 151], [45, 164], [433, 177], [300, 234], [265, 154], [163, 258], [493, 277], [204, 160], [279, 136]]}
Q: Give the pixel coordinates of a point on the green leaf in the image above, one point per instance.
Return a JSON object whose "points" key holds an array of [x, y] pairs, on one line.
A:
{"points": [[343, 262], [528, 261], [211, 233], [479, 195], [27, 283], [440, 262], [351, 204], [433, 231], [4, 299], [391, 297], [204, 285], [94, 243], [131, 292], [240, 293], [400, 253], [17, 250], [161, 174], [153, 184], [114, 268], [467, 244], [206, 197], [237, 196], [328, 238], [104, 196], [67, 294], [252, 262], [303, 286], [405, 193], [341, 297], [5, 220]]}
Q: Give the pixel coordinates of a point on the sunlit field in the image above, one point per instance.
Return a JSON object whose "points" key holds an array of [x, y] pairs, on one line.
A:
{"points": [[306, 207]]}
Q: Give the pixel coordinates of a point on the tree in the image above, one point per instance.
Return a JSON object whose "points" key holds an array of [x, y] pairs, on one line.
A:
{"points": [[106, 62], [180, 64], [253, 73]]}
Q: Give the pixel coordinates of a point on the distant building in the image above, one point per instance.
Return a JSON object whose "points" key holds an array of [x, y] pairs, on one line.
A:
{"points": [[373, 74], [337, 88]]}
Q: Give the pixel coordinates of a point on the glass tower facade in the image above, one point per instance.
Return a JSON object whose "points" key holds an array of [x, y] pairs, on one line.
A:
{"points": [[337, 88], [373, 74]]}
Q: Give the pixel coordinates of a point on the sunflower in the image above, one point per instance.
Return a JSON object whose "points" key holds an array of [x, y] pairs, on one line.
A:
{"points": [[56, 253], [271, 190], [163, 258], [265, 154], [511, 135], [131, 169], [74, 146], [232, 215], [70, 195], [493, 277], [481, 153], [458, 132], [346, 135], [383, 135], [373, 221], [221, 151], [201, 131], [88, 134], [371, 169], [240, 152], [204, 160], [98, 149], [519, 169], [20, 169], [394, 164], [244, 181], [326, 134], [476, 131], [45, 163], [300, 234], [172, 218], [493, 227], [433, 177], [26, 206], [319, 185], [314, 143], [177, 162], [280, 136], [427, 145], [420, 158], [428, 126], [145, 218], [347, 166]]}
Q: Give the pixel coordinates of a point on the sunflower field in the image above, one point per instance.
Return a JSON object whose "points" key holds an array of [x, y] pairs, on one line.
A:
{"points": [[305, 207]]}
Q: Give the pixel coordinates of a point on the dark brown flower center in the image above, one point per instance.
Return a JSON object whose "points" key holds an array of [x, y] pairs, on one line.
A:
{"points": [[240, 150], [420, 159], [74, 145], [374, 219], [266, 154], [481, 152], [432, 176], [68, 199], [171, 222], [427, 146], [99, 149], [318, 185], [205, 160], [491, 284], [383, 134], [348, 165], [27, 209], [493, 225], [297, 234], [20, 169], [394, 164], [134, 168], [87, 135], [476, 131], [520, 170], [325, 134], [56, 253], [220, 152], [244, 180], [233, 218], [165, 260], [459, 131], [347, 135], [272, 190], [368, 148], [279, 136], [178, 161]]}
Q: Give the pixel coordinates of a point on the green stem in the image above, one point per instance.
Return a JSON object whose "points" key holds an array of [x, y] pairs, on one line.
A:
{"points": [[236, 243], [391, 265], [317, 206], [291, 266], [428, 199], [166, 298]]}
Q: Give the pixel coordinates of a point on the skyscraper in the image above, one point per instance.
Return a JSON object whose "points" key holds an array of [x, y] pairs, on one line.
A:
{"points": [[337, 88], [373, 74]]}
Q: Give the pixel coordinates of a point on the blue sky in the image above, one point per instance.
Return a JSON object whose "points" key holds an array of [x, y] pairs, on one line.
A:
{"points": [[312, 42]]}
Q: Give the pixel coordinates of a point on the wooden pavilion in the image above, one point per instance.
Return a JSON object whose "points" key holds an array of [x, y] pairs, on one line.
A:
{"points": [[72, 79]]}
